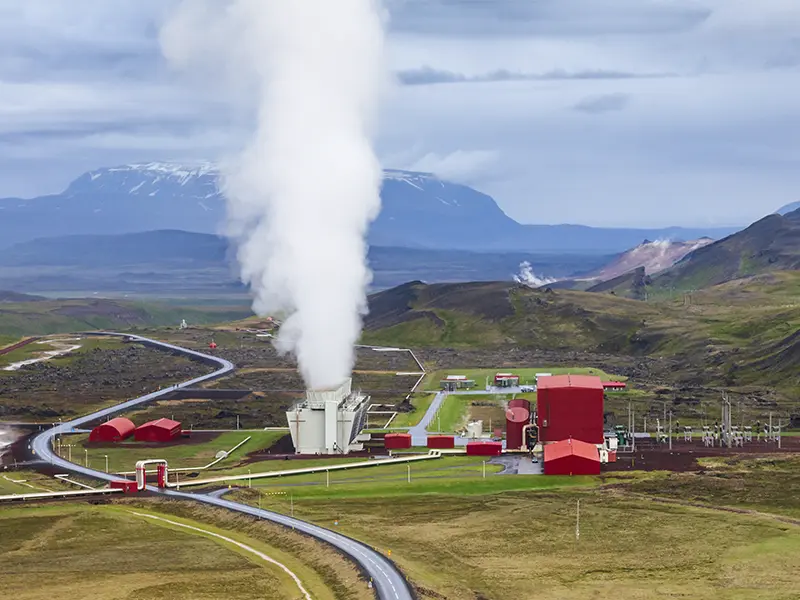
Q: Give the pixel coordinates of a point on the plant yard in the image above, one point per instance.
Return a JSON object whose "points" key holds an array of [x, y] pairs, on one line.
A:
{"points": [[108, 552]]}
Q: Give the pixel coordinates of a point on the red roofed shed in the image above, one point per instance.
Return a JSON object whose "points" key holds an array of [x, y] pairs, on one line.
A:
{"points": [[114, 430], [613, 385], [570, 406], [571, 457], [160, 430]]}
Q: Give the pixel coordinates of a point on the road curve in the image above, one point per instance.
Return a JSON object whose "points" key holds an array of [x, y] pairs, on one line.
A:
{"points": [[388, 581]]}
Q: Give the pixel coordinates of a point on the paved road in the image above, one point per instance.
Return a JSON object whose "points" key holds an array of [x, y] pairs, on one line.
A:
{"points": [[388, 581]]}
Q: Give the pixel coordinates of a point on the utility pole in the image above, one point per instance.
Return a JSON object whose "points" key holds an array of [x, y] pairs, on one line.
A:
{"points": [[409, 472], [327, 478], [106, 456], [770, 425], [670, 430], [237, 422]]}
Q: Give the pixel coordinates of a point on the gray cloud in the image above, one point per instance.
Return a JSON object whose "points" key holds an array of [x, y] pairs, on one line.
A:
{"points": [[544, 17], [428, 76], [602, 104]]}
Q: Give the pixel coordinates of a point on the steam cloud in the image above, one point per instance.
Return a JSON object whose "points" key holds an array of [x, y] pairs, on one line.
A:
{"points": [[527, 277], [304, 189]]}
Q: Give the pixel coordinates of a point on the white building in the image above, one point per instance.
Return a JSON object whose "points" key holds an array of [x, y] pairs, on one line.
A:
{"points": [[328, 421]]}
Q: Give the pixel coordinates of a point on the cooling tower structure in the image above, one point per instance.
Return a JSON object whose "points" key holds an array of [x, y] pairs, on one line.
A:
{"points": [[328, 421]]}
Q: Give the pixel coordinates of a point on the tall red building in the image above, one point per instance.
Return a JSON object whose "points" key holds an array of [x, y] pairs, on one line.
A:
{"points": [[570, 406]]}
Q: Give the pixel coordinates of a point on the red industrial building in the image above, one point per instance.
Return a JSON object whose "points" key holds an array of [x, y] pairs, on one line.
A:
{"points": [[484, 448], [114, 430], [571, 457], [506, 380], [570, 406], [441, 442], [397, 441], [517, 417], [160, 430], [613, 386]]}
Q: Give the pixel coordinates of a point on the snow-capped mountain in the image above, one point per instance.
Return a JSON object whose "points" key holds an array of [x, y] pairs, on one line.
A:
{"points": [[419, 211], [150, 196]]}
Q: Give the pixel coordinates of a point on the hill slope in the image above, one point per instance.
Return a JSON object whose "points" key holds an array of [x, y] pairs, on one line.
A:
{"points": [[419, 211], [771, 244], [501, 314]]}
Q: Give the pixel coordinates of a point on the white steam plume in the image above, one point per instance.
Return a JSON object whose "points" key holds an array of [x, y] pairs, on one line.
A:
{"points": [[303, 191], [527, 277]]}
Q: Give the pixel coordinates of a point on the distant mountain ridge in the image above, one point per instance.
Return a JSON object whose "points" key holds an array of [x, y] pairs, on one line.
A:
{"points": [[419, 211], [785, 210], [770, 244]]}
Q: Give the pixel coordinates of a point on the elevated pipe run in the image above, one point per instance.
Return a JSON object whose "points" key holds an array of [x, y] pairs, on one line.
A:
{"points": [[432, 454]]}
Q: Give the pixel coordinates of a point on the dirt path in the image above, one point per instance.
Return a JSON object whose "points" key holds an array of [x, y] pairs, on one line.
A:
{"points": [[60, 347]]}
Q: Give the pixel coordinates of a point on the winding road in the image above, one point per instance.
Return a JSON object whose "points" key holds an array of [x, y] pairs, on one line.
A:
{"points": [[388, 582]]}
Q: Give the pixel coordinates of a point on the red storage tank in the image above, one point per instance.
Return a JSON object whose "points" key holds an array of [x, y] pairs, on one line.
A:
{"points": [[114, 430], [397, 441], [571, 457], [441, 441], [516, 419], [484, 448], [521, 402], [160, 430], [570, 406]]}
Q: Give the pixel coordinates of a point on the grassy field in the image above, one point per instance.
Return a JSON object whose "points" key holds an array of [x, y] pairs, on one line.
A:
{"points": [[29, 482], [183, 453], [527, 375], [462, 540], [106, 552], [768, 484], [421, 403]]}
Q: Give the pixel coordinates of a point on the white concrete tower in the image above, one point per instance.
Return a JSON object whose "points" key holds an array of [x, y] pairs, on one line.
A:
{"points": [[328, 421]]}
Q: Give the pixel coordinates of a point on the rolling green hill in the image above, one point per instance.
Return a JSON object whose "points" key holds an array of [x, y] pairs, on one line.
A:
{"points": [[502, 313]]}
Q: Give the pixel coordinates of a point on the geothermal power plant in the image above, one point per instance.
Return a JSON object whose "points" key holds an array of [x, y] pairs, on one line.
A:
{"points": [[328, 421]]}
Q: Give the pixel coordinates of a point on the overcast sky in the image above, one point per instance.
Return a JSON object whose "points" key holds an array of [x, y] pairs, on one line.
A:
{"points": [[603, 112]]}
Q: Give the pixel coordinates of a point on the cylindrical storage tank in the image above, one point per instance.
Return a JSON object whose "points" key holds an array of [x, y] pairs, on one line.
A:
{"points": [[397, 441], [441, 442], [520, 402], [516, 419], [484, 448]]}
